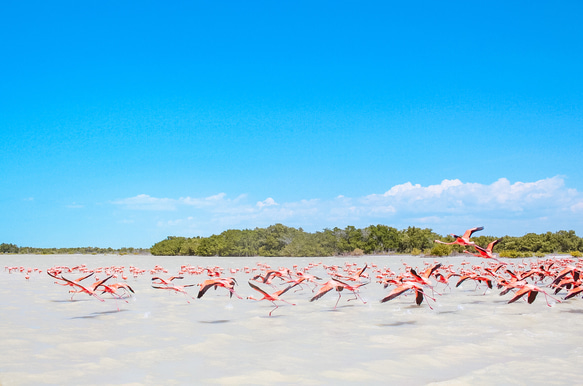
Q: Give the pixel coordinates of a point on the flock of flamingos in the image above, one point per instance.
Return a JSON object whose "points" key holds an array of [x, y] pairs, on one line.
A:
{"points": [[551, 277]]}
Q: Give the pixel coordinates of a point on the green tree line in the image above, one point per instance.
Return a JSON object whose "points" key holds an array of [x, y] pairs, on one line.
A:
{"points": [[12, 248], [281, 240]]}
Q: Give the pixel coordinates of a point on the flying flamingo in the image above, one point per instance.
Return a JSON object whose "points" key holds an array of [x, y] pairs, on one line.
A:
{"points": [[112, 289], [486, 253], [475, 277], [66, 283], [358, 276], [339, 287], [177, 288], [128, 291], [273, 297], [84, 289], [158, 280], [532, 291], [225, 282], [406, 286], [424, 277], [464, 239]]}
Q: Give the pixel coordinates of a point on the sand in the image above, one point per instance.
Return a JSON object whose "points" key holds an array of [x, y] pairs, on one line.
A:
{"points": [[469, 337]]}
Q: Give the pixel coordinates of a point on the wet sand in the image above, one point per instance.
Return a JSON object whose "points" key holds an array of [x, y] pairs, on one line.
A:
{"points": [[158, 338]]}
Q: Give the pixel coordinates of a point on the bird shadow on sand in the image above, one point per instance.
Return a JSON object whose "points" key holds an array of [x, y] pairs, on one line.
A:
{"points": [[397, 324], [339, 308], [573, 311], [70, 300], [97, 314], [415, 307]]}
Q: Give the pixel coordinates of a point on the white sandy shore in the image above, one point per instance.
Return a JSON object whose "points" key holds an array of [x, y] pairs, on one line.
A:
{"points": [[158, 338]]}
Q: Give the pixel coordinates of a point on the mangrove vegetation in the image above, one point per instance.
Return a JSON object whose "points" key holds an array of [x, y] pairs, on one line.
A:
{"points": [[281, 240]]}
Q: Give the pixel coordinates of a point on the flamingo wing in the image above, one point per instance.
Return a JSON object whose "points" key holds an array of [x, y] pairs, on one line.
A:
{"points": [[428, 272], [258, 289], [523, 291], [532, 296], [86, 290], [490, 246], [361, 271], [574, 292], [468, 233], [482, 251], [162, 281], [205, 286], [462, 279], [327, 287], [84, 277], [100, 283], [415, 274], [396, 292], [281, 292]]}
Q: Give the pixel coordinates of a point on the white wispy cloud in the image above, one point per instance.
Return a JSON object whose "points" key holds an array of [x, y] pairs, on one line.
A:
{"points": [[267, 202], [146, 202], [447, 207]]}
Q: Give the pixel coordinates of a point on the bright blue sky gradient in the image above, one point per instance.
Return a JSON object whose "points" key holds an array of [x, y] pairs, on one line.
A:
{"points": [[124, 122]]}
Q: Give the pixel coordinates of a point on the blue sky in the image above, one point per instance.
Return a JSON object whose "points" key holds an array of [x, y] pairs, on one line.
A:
{"points": [[122, 123]]}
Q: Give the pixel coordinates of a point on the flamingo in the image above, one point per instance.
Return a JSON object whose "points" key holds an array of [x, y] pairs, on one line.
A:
{"points": [[271, 297], [475, 277], [339, 287], [228, 283], [88, 291], [67, 284], [112, 289], [464, 239], [116, 286], [532, 291], [486, 253], [425, 275], [419, 294], [357, 276], [159, 281], [177, 288]]}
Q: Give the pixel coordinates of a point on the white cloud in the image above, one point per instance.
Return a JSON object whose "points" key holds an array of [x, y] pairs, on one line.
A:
{"points": [[146, 202], [267, 202], [450, 206], [578, 207]]}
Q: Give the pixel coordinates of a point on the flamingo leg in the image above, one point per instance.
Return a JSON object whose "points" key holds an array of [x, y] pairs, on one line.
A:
{"points": [[426, 300], [336, 305], [357, 296], [276, 307], [549, 296]]}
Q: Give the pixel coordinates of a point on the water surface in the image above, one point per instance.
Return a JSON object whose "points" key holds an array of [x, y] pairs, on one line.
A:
{"points": [[471, 336]]}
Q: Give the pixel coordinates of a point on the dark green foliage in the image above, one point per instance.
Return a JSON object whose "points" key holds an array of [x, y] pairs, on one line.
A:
{"points": [[169, 247], [441, 250], [11, 248], [416, 238], [8, 248], [281, 240]]}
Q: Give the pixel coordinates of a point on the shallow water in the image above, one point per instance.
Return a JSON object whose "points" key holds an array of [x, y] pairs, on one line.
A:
{"points": [[159, 338]]}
